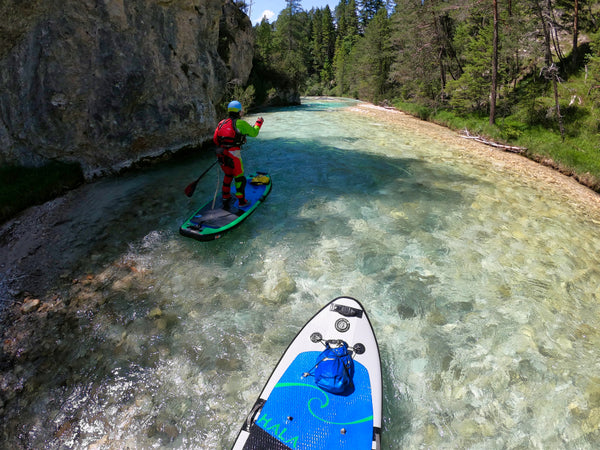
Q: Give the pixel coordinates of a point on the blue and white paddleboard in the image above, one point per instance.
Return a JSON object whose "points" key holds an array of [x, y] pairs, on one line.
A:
{"points": [[292, 412]]}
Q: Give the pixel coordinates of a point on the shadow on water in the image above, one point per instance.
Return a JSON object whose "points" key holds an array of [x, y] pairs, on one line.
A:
{"points": [[315, 174]]}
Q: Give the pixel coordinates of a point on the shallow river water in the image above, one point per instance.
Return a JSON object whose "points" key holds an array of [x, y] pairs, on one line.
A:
{"points": [[481, 284]]}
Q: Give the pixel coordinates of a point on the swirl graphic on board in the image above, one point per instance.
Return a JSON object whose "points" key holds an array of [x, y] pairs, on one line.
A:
{"points": [[323, 404]]}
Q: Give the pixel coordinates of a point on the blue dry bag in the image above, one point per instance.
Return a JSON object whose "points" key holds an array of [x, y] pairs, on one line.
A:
{"points": [[334, 369]]}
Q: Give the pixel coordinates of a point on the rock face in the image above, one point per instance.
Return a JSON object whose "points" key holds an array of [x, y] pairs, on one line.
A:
{"points": [[109, 82]]}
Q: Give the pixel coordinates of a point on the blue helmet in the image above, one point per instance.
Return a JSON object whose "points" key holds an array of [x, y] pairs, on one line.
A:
{"points": [[234, 106]]}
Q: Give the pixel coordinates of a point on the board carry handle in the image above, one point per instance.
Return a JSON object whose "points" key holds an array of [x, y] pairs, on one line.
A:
{"points": [[253, 414], [347, 311]]}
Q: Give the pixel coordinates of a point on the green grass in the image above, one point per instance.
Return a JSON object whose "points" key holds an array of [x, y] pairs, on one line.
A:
{"points": [[526, 117], [577, 155], [21, 187], [414, 109]]}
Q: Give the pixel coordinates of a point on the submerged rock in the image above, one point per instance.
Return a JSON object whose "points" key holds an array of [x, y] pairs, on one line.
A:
{"points": [[406, 312], [29, 305], [163, 428]]}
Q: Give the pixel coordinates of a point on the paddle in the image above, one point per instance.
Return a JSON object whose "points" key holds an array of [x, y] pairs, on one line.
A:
{"points": [[190, 188]]}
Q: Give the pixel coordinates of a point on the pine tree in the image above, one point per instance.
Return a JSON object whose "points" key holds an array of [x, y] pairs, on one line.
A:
{"points": [[291, 55], [347, 36], [322, 43], [420, 64], [371, 58], [294, 6], [470, 93], [368, 9], [264, 40]]}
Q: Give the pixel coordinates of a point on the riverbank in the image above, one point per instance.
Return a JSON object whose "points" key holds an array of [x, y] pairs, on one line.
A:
{"points": [[33, 254], [574, 154], [543, 172]]}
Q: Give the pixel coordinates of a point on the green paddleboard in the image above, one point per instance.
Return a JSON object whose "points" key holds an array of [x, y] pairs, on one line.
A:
{"points": [[212, 220]]}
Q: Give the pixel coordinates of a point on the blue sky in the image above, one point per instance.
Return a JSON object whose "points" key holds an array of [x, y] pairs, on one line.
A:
{"points": [[271, 8]]}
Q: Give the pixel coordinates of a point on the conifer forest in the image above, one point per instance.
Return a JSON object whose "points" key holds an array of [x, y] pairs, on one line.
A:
{"points": [[526, 72]]}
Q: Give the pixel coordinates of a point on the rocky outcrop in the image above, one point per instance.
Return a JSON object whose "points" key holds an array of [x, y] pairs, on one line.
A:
{"points": [[109, 82]]}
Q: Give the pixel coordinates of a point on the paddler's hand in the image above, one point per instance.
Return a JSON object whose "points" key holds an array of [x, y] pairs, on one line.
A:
{"points": [[259, 122]]}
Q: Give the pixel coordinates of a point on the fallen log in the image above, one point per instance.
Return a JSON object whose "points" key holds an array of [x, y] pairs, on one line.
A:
{"points": [[508, 148]]}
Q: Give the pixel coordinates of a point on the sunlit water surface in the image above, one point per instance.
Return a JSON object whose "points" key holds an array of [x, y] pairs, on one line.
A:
{"points": [[482, 288]]}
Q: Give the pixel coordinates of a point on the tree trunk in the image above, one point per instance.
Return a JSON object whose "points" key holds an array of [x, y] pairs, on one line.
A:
{"points": [[547, 48], [575, 35], [494, 65], [551, 71]]}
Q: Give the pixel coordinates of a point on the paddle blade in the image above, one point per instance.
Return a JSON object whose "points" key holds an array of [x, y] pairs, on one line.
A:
{"points": [[190, 188]]}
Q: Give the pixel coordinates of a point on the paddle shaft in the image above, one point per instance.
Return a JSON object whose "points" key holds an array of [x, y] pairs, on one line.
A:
{"points": [[190, 188]]}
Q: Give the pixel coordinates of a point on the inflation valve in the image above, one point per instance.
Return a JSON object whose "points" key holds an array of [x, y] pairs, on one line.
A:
{"points": [[342, 325]]}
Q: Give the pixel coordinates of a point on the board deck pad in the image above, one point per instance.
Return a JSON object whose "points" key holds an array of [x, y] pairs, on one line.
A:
{"points": [[321, 415], [212, 221], [292, 412]]}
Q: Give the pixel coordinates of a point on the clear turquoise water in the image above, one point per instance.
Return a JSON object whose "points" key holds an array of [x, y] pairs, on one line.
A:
{"points": [[482, 287]]}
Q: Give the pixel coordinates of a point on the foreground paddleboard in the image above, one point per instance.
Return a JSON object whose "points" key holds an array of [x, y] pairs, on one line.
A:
{"points": [[292, 412], [212, 221]]}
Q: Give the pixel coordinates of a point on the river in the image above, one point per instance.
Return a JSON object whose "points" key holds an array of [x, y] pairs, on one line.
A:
{"points": [[480, 280]]}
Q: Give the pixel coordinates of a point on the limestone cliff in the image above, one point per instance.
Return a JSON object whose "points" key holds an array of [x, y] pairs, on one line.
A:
{"points": [[109, 82]]}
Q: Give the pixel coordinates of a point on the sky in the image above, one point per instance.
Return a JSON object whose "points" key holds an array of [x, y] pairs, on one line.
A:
{"points": [[271, 8]]}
